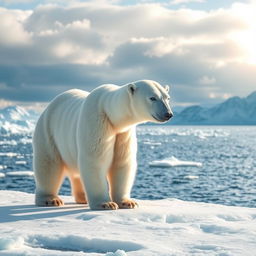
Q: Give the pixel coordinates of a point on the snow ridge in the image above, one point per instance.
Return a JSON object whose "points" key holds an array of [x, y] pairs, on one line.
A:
{"points": [[233, 111], [16, 120]]}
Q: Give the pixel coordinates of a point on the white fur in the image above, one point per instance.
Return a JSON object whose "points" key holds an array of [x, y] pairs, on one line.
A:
{"points": [[90, 137]]}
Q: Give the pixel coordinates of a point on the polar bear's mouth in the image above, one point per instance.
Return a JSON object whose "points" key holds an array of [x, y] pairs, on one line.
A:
{"points": [[158, 119]]}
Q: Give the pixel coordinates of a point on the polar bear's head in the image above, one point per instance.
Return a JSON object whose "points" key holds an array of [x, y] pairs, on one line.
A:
{"points": [[150, 101]]}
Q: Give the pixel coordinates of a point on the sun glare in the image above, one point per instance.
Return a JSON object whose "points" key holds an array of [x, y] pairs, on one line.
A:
{"points": [[247, 40]]}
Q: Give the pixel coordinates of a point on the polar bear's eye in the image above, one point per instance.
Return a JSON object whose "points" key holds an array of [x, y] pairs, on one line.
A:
{"points": [[152, 98]]}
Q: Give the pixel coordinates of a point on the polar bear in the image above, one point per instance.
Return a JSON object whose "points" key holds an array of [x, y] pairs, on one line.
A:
{"points": [[90, 137]]}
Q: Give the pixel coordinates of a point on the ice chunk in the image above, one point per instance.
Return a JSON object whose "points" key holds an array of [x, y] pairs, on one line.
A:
{"points": [[191, 177], [21, 162], [173, 162], [3, 167], [8, 154], [20, 173], [2, 175]]}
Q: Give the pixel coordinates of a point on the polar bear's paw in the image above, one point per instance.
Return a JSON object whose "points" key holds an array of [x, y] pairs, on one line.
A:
{"points": [[109, 206], [128, 204], [49, 201]]}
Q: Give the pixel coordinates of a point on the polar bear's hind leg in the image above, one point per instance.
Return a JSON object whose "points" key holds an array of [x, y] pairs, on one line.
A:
{"points": [[49, 174], [78, 190]]}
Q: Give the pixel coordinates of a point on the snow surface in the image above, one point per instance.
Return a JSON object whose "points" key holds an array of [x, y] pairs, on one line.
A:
{"points": [[163, 228], [173, 162]]}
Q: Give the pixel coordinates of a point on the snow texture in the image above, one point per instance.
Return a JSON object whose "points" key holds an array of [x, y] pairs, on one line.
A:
{"points": [[173, 162], [17, 120], [162, 227]]}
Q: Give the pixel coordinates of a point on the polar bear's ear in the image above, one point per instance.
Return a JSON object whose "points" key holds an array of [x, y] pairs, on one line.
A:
{"points": [[167, 88], [131, 88]]}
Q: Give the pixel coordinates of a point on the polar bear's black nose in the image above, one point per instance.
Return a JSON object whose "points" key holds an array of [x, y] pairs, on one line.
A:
{"points": [[168, 115]]}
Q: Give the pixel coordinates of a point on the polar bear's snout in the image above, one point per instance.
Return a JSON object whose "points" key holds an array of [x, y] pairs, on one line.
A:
{"points": [[162, 111], [168, 115]]}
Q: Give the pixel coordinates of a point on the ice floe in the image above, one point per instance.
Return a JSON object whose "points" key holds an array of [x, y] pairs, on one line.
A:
{"points": [[173, 162], [191, 177], [2, 175], [21, 162], [20, 173], [160, 227], [3, 167], [8, 154]]}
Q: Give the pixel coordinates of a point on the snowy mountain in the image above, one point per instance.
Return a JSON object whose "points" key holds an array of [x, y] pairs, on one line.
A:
{"points": [[15, 119], [233, 111]]}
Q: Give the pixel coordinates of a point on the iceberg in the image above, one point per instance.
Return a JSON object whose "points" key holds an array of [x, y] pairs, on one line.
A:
{"points": [[173, 162], [157, 227]]}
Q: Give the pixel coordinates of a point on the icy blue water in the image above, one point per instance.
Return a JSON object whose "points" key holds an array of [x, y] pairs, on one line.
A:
{"points": [[228, 155]]}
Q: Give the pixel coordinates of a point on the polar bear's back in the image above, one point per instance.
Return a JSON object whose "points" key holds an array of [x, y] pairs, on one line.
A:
{"points": [[58, 124]]}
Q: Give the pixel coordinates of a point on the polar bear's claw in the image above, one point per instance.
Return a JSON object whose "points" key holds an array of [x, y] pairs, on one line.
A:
{"points": [[54, 202], [49, 201], [109, 206], [128, 204]]}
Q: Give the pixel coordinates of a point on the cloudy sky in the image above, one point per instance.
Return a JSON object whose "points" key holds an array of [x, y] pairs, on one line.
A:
{"points": [[204, 49]]}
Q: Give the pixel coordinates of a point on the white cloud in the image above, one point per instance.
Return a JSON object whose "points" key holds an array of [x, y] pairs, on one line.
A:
{"points": [[12, 31], [9, 2], [186, 1], [205, 80], [111, 43]]}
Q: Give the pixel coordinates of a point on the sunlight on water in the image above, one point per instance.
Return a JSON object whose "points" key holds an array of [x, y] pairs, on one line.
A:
{"points": [[227, 154]]}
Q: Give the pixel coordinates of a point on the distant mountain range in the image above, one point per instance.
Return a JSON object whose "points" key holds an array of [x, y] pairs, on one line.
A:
{"points": [[15, 120], [233, 111]]}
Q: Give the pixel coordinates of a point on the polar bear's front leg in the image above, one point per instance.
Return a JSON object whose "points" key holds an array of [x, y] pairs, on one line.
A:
{"points": [[96, 186], [123, 169]]}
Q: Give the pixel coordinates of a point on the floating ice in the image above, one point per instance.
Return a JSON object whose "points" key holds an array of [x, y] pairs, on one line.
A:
{"points": [[152, 143], [173, 162], [21, 162], [2, 175], [25, 140], [3, 167], [8, 154], [9, 142], [20, 173], [191, 177]]}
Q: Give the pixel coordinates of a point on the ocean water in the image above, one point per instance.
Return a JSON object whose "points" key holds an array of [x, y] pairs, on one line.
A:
{"points": [[227, 154]]}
